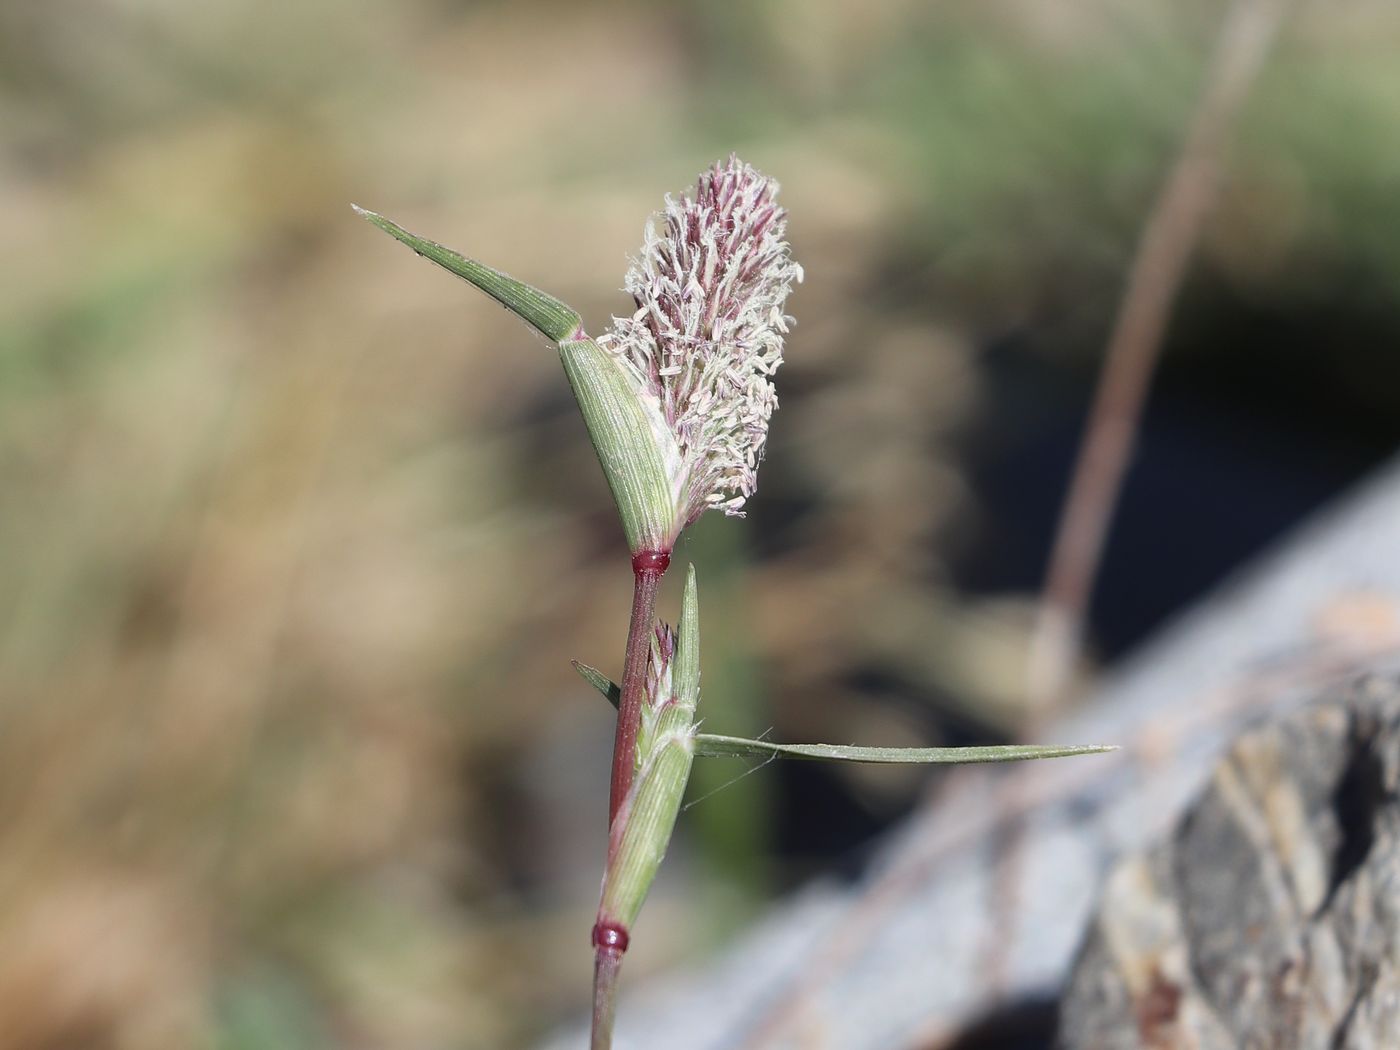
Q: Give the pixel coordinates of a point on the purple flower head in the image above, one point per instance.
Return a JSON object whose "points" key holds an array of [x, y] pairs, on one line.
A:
{"points": [[659, 658], [707, 335]]}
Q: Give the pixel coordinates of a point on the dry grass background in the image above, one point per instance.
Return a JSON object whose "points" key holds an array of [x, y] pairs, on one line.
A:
{"points": [[297, 535]]}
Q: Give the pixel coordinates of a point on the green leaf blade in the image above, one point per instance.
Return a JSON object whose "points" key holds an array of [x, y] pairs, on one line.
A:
{"points": [[711, 745], [612, 692], [686, 674], [556, 320]]}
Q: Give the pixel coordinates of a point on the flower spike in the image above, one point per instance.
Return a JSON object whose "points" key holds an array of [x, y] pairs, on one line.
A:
{"points": [[710, 285]]}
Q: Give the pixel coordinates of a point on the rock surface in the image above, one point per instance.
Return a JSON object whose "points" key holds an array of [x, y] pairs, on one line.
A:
{"points": [[1269, 919]]}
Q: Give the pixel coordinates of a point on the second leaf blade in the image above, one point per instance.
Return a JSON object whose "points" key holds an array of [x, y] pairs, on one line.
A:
{"points": [[713, 745]]}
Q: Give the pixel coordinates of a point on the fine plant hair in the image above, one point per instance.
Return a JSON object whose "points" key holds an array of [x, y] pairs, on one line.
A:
{"points": [[677, 398]]}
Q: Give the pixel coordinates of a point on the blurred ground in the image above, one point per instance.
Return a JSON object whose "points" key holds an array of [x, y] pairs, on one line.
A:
{"points": [[297, 535]]}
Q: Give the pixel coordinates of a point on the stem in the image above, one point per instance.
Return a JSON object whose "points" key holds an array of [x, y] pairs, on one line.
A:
{"points": [[1163, 254], [609, 943], [605, 968], [610, 938], [647, 569]]}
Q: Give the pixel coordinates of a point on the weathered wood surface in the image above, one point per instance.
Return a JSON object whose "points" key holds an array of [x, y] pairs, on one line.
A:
{"points": [[1270, 917], [983, 897]]}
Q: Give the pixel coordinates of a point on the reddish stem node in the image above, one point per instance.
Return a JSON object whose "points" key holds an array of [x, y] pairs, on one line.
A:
{"points": [[610, 936], [651, 561]]}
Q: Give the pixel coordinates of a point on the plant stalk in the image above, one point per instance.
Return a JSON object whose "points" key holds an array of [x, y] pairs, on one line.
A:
{"points": [[607, 961], [1160, 265], [647, 570]]}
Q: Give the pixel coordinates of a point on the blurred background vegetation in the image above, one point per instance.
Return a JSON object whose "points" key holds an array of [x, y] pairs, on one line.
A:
{"points": [[298, 535]]}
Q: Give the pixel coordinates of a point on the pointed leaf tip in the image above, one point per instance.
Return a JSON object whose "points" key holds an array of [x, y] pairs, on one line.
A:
{"points": [[687, 672], [611, 691], [556, 320]]}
